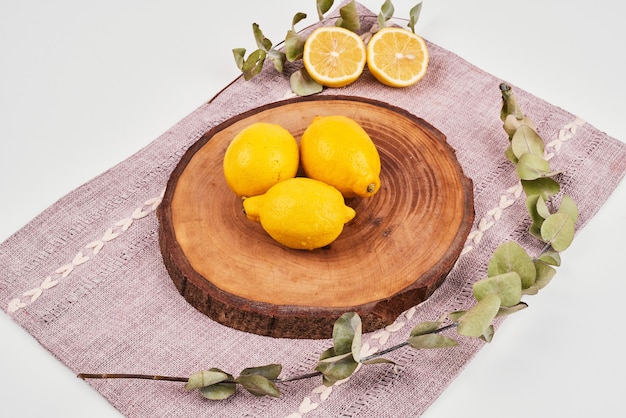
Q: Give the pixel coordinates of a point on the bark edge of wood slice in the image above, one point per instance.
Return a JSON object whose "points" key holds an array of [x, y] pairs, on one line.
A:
{"points": [[392, 256]]}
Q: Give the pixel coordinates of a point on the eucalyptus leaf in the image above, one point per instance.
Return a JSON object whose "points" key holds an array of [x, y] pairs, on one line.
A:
{"points": [[378, 360], [544, 187], [477, 320], [558, 230], [294, 46], [239, 55], [326, 358], [552, 258], [530, 291], [526, 140], [545, 273], [206, 378], [386, 13], [569, 206], [429, 341], [347, 332], [297, 18], [270, 371], [219, 391], [425, 328], [531, 207], [414, 15], [326, 354], [278, 58], [303, 85], [488, 334], [510, 155], [508, 310], [253, 65], [507, 286], [336, 368], [322, 7], [535, 230], [511, 257], [261, 41], [258, 385], [542, 208], [510, 125], [349, 17], [456, 315], [531, 167]]}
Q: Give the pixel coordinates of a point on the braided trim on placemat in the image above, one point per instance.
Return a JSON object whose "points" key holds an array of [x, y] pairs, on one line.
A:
{"points": [[84, 255]]}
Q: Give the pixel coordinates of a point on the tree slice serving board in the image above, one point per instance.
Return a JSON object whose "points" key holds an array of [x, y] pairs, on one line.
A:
{"points": [[396, 251]]}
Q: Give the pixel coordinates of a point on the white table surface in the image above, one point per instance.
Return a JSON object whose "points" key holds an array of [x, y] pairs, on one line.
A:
{"points": [[84, 85]]}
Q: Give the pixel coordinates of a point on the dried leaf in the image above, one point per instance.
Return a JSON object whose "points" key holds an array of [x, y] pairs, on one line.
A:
{"points": [[206, 378], [336, 368], [414, 15], [261, 41], [303, 85], [542, 208], [569, 206], [429, 341], [297, 18], [552, 258], [386, 13], [508, 310], [510, 155], [379, 360], [488, 334], [558, 230], [531, 207], [218, 391], [278, 59], [270, 371], [545, 273], [349, 17], [531, 167], [511, 257], [347, 335], [507, 286], [239, 55], [456, 315], [476, 321], [322, 7], [544, 187], [258, 385], [294, 46], [425, 328], [253, 65], [526, 140]]}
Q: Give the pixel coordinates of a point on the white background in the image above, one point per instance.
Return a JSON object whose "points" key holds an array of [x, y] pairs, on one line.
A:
{"points": [[84, 85]]}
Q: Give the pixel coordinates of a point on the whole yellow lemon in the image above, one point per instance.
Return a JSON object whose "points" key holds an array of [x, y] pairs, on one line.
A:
{"points": [[258, 157], [338, 151], [300, 213]]}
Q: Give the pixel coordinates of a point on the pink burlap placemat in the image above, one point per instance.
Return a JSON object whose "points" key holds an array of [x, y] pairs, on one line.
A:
{"points": [[87, 280]]}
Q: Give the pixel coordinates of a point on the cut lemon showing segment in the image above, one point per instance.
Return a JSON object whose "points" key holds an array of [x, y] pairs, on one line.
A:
{"points": [[334, 56], [397, 57]]}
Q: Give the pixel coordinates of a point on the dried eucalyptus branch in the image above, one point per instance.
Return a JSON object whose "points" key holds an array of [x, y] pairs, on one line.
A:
{"points": [[293, 44]]}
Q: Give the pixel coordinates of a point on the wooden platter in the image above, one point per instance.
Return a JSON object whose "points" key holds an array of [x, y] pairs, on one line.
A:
{"points": [[390, 257]]}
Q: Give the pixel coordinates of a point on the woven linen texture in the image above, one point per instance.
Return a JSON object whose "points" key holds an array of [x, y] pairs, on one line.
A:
{"points": [[86, 277]]}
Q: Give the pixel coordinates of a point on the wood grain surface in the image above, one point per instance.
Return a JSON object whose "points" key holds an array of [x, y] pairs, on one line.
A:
{"points": [[396, 251]]}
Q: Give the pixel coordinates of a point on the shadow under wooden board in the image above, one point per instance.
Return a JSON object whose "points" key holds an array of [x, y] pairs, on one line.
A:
{"points": [[397, 250]]}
